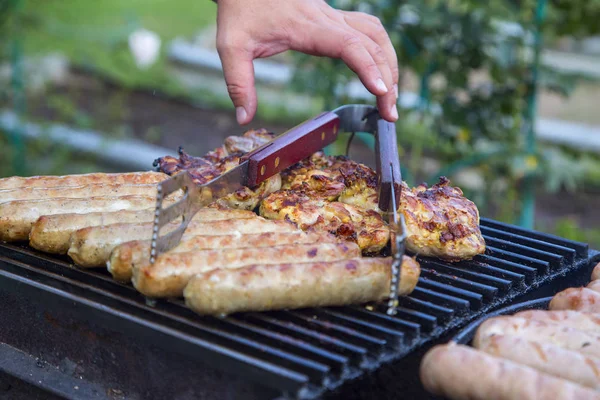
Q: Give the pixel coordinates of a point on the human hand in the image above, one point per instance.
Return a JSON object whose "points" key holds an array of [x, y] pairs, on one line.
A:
{"points": [[250, 29]]}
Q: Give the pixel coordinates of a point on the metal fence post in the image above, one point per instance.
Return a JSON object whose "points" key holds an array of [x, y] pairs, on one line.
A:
{"points": [[527, 219]]}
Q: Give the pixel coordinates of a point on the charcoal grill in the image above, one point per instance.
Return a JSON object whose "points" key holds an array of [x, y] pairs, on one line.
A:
{"points": [[79, 334]]}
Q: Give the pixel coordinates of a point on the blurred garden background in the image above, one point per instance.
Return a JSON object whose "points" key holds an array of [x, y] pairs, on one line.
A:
{"points": [[503, 97]]}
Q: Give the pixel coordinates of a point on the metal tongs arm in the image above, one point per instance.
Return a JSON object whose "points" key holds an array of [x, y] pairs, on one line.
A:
{"points": [[397, 238], [364, 118]]}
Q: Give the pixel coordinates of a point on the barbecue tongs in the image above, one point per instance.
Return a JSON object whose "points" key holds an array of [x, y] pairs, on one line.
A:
{"points": [[282, 152]]}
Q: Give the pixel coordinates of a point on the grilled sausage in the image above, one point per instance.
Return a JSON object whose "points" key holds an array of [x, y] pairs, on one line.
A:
{"points": [[127, 178], [542, 332], [594, 285], [460, 372], [91, 247], [51, 233], [545, 357], [574, 319], [127, 254], [77, 192], [578, 299], [17, 217], [596, 272], [265, 287], [170, 273]]}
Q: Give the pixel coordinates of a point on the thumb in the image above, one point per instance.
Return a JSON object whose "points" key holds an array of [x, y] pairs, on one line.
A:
{"points": [[238, 70]]}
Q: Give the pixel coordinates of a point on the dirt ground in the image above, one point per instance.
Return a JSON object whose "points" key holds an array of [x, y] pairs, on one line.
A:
{"points": [[171, 123]]}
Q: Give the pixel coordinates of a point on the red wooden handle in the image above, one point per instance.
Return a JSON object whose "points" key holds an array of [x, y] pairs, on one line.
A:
{"points": [[291, 147]]}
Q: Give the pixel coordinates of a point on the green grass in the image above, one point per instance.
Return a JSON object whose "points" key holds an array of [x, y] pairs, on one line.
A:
{"points": [[94, 33]]}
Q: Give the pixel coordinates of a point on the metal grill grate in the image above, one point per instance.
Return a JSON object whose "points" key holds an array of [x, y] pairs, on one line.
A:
{"points": [[305, 352]]}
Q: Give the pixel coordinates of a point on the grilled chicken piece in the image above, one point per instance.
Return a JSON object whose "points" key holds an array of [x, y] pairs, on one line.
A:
{"points": [[249, 141], [360, 184], [365, 227], [315, 183], [221, 160], [314, 178], [440, 221]]}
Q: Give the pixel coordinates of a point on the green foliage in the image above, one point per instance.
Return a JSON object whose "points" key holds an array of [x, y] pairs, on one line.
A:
{"points": [[478, 80], [570, 229], [578, 18]]}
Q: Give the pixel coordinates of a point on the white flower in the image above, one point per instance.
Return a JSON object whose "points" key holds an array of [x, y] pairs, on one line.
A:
{"points": [[144, 46]]}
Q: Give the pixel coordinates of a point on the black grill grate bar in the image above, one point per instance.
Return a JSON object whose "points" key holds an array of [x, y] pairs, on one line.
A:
{"points": [[65, 269], [268, 339], [192, 331], [410, 329], [529, 272], [503, 285], [580, 248], [352, 335], [335, 361], [426, 321], [543, 267], [488, 292], [460, 306], [353, 352], [328, 317], [340, 316], [487, 269], [443, 314], [534, 243], [475, 299], [554, 259], [227, 329]]}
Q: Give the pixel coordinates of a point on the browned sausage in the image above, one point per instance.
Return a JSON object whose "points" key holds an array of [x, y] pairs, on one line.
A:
{"points": [[596, 272], [91, 247], [77, 192], [127, 254], [545, 357], [594, 285], [265, 287], [51, 233], [542, 332], [170, 273], [578, 299], [17, 217], [574, 319], [131, 178], [460, 372]]}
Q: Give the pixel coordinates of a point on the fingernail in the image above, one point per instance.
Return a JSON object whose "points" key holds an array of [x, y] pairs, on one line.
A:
{"points": [[381, 86], [396, 90], [394, 112], [241, 115]]}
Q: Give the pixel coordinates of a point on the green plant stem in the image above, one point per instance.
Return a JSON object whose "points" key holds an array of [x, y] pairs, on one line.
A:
{"points": [[528, 211]]}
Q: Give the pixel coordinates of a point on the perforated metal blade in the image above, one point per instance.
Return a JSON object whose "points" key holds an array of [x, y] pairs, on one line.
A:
{"points": [[194, 197]]}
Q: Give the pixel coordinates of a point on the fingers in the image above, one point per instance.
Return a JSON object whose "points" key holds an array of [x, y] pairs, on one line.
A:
{"points": [[362, 54], [386, 103], [386, 59], [238, 70], [347, 45], [367, 60], [372, 27]]}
